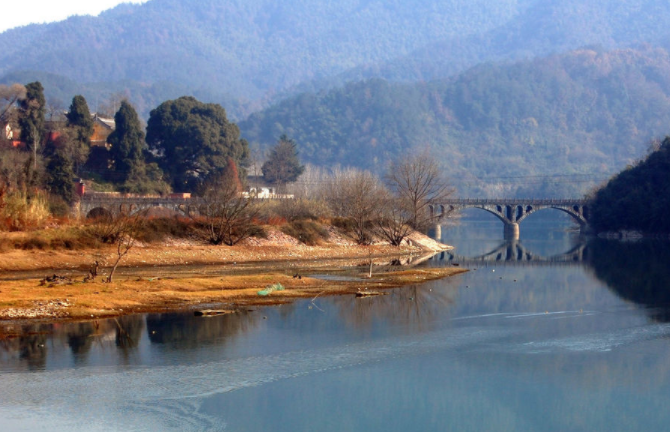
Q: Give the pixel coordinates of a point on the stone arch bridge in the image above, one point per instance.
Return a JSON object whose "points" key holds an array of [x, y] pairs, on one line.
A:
{"points": [[99, 204], [513, 211]]}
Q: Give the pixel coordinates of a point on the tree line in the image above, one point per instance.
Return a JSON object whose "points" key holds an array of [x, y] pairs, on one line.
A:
{"points": [[638, 198], [185, 143], [190, 146]]}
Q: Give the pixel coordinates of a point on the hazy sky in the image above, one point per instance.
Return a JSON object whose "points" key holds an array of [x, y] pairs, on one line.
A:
{"points": [[14, 13]]}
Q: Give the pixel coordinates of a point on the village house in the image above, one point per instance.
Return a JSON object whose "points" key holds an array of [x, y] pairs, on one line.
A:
{"points": [[9, 135], [102, 128]]}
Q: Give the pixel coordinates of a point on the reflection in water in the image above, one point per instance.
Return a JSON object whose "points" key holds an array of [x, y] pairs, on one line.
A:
{"points": [[636, 271], [528, 343], [515, 253], [186, 331], [415, 307], [79, 338], [31, 344]]}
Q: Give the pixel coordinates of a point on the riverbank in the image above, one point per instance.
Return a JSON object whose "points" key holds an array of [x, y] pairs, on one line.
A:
{"points": [[178, 276]]}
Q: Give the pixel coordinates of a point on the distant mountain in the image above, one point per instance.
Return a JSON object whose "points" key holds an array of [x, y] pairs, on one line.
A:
{"points": [[579, 116], [144, 96], [248, 49], [539, 29], [256, 51]]}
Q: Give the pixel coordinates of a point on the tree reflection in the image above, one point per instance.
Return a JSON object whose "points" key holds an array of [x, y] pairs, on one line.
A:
{"points": [[185, 331], [129, 332], [79, 339], [28, 342], [415, 306], [635, 271]]}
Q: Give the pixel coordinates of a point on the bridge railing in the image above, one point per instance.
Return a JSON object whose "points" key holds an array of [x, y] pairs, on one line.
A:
{"points": [[513, 202]]}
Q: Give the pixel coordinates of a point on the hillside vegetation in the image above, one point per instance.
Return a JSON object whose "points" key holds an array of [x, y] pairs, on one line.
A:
{"points": [[249, 48], [637, 198], [585, 112], [247, 54], [539, 28]]}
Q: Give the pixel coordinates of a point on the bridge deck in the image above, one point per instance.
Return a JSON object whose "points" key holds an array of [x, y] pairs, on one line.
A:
{"points": [[512, 201]]}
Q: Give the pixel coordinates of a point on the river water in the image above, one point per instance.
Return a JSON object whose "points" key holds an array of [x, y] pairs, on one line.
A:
{"points": [[543, 334]]}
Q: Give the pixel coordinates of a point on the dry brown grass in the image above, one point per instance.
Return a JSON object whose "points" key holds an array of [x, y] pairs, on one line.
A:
{"points": [[133, 295]]}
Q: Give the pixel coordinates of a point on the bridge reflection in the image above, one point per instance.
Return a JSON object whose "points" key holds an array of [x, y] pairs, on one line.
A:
{"points": [[513, 253]]}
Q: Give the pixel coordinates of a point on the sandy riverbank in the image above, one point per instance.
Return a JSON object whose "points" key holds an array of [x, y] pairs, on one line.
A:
{"points": [[173, 276]]}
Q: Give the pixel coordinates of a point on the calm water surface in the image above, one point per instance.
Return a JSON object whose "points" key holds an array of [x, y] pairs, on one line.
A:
{"points": [[546, 334]]}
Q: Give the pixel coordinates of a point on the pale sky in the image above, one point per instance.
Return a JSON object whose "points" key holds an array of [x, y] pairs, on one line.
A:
{"points": [[15, 13]]}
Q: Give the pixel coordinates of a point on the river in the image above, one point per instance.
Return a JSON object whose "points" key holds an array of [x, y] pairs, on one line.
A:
{"points": [[545, 334]]}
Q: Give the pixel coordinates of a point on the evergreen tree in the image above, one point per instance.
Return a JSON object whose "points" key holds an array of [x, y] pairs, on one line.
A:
{"points": [[127, 142], [79, 120], [193, 141], [59, 171], [283, 165], [79, 115], [31, 118]]}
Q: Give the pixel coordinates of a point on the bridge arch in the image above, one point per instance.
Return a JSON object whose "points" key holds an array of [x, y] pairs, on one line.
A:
{"points": [[575, 213], [99, 213], [498, 211], [513, 211]]}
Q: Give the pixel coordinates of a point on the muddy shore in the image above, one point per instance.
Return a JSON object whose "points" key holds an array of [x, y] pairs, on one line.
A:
{"points": [[173, 277]]}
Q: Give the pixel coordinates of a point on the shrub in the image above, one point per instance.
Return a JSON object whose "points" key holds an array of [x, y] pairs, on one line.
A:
{"points": [[306, 231], [58, 207], [21, 211], [345, 224], [158, 229], [295, 209]]}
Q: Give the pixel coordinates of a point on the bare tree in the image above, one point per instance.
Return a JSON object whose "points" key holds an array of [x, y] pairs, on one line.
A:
{"points": [[228, 214], [256, 160], [393, 219], [418, 183], [110, 106], [310, 184], [131, 227], [9, 96], [119, 228], [13, 169], [356, 195]]}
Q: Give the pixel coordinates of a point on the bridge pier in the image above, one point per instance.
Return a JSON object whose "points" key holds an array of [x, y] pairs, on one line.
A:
{"points": [[511, 231], [435, 232]]}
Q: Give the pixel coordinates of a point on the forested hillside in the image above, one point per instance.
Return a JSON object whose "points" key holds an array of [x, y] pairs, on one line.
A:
{"points": [[248, 48], [582, 113], [543, 28], [638, 198], [247, 54], [105, 97]]}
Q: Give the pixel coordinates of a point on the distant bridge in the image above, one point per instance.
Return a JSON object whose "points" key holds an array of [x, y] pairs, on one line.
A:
{"points": [[100, 203], [512, 211], [97, 204]]}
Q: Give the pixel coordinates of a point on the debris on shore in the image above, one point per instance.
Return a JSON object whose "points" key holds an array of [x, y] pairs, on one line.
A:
{"points": [[213, 312], [365, 294]]}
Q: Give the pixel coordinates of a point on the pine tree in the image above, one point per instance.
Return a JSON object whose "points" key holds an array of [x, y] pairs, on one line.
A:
{"points": [[79, 120], [59, 171], [31, 118], [283, 165], [127, 143]]}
